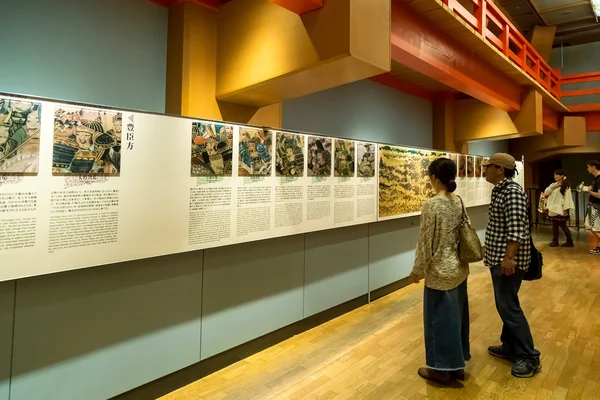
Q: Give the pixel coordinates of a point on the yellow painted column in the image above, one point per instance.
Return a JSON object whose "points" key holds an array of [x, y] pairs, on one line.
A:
{"points": [[443, 125], [192, 70]]}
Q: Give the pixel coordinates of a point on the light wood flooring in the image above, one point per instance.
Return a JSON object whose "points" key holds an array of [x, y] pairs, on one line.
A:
{"points": [[374, 351]]}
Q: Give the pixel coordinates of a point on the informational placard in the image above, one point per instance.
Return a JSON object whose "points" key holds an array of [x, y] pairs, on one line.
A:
{"points": [[82, 186]]}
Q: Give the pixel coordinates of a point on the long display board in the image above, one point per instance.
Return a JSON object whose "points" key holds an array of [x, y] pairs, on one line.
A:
{"points": [[82, 186]]}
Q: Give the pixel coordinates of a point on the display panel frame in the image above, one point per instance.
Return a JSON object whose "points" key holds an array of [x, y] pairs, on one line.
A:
{"points": [[155, 204]]}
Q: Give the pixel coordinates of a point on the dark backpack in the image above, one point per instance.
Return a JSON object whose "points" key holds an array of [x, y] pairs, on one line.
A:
{"points": [[534, 271]]}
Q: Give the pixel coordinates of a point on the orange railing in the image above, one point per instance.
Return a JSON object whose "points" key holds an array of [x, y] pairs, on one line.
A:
{"points": [[492, 24], [582, 78]]}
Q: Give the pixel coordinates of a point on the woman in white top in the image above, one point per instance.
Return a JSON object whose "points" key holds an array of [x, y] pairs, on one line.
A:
{"points": [[445, 301], [559, 204]]}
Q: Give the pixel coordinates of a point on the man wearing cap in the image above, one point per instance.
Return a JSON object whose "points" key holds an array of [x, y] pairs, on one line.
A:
{"points": [[507, 255]]}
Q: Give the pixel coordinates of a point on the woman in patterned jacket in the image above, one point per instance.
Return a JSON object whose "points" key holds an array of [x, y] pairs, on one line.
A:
{"points": [[445, 303]]}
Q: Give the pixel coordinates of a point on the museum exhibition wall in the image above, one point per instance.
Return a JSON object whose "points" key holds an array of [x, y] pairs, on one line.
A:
{"points": [[119, 326], [84, 186], [128, 40]]}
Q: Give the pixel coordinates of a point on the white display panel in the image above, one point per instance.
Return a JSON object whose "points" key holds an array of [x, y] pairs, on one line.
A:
{"points": [[82, 186]]}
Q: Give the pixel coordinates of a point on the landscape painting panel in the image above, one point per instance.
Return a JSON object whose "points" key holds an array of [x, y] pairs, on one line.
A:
{"points": [[404, 183]]}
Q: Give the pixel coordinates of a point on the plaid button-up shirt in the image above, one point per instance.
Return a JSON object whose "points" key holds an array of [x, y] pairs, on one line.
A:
{"points": [[508, 222]]}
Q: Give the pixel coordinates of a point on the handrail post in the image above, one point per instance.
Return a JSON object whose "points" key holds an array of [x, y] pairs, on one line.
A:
{"points": [[481, 16]]}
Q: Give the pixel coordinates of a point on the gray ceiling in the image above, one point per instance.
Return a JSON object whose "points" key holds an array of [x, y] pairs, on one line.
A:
{"points": [[574, 19]]}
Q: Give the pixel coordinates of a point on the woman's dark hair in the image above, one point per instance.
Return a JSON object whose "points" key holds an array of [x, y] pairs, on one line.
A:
{"points": [[565, 184], [509, 173], [445, 170]]}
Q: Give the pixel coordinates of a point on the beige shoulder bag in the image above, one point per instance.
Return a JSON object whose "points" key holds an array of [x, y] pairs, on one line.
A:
{"points": [[469, 246]]}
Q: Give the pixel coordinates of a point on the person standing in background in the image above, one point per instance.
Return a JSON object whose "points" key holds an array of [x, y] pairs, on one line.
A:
{"points": [[560, 204], [445, 301], [592, 217], [508, 255]]}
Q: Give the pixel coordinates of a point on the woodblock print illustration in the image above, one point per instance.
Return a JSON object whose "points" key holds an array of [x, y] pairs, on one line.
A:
{"points": [[461, 165], [289, 154], [483, 169], [344, 158], [87, 141], [365, 159], [404, 183], [453, 157], [19, 137], [478, 167], [319, 156], [520, 174], [212, 149], [470, 167], [256, 152]]}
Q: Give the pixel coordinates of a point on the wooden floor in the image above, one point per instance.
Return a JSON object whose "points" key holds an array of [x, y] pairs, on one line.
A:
{"points": [[374, 352]]}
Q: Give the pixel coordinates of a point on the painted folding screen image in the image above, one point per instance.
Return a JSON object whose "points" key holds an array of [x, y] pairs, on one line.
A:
{"points": [[403, 180]]}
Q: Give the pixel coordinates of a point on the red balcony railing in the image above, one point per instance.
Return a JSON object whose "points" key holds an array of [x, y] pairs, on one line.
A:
{"points": [[493, 26], [582, 78]]}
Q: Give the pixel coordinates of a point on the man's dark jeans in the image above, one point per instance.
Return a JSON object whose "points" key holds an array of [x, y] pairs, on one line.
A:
{"points": [[516, 335]]}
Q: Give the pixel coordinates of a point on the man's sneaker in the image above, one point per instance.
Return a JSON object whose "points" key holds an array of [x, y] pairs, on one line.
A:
{"points": [[595, 251], [526, 368], [501, 352]]}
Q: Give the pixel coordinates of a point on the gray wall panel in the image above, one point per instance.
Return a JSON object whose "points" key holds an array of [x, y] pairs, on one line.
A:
{"points": [[363, 110], [479, 220], [95, 333], [250, 290], [392, 250], [110, 52], [487, 148], [337, 267], [7, 297]]}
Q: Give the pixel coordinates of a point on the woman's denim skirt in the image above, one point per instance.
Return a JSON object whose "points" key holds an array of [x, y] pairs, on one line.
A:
{"points": [[446, 320]]}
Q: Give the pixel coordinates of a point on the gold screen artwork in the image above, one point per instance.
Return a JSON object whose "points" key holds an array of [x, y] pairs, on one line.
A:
{"points": [[19, 137], [404, 183], [212, 149], [86, 141]]}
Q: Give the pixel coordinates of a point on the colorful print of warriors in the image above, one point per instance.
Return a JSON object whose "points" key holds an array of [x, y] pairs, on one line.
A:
{"points": [[86, 141], [212, 149], [20, 127], [256, 152]]}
